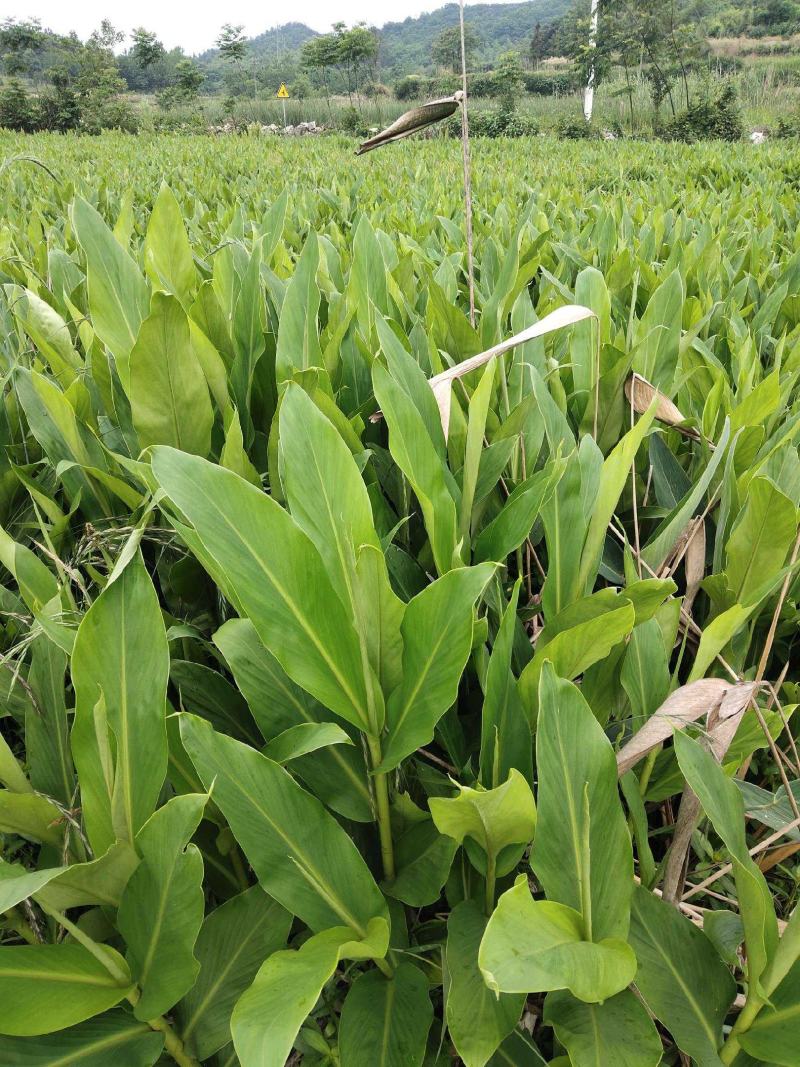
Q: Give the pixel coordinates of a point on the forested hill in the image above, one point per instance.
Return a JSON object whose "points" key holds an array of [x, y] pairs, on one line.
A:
{"points": [[406, 45]]}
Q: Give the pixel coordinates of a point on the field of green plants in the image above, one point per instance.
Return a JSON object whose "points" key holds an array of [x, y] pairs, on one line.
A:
{"points": [[354, 719]]}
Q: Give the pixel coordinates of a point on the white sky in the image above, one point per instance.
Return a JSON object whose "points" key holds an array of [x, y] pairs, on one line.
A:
{"points": [[195, 25]]}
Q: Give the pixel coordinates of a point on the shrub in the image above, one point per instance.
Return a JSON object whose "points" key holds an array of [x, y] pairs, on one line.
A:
{"points": [[710, 120], [577, 130], [16, 108]]}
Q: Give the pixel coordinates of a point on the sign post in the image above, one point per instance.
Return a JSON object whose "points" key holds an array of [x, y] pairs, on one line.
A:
{"points": [[283, 95]]}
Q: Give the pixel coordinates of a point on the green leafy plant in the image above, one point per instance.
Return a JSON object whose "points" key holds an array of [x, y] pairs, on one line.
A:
{"points": [[377, 689]]}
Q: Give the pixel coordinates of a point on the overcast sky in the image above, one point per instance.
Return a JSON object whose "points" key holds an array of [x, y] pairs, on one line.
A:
{"points": [[195, 25]]}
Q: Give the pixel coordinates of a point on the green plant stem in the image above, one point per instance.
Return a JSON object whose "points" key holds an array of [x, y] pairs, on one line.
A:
{"points": [[382, 810]]}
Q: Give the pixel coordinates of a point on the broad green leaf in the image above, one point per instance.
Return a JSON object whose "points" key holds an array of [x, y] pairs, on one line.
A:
{"points": [[162, 907], [615, 472], [681, 978], [119, 742], [417, 456], [118, 295], [437, 638], [582, 853], [366, 288], [17, 883], [99, 881], [476, 429], [234, 941], [205, 692], [590, 291], [233, 455], [723, 804], [32, 816], [46, 726], [565, 517], [760, 540], [517, 1051], [385, 1021], [169, 397], [248, 333], [115, 1037], [617, 1031], [775, 1034], [666, 535], [337, 775], [277, 576], [65, 439], [423, 858], [11, 773], [298, 333], [37, 583], [493, 818], [268, 1015], [506, 740], [300, 854], [304, 738], [49, 987], [48, 331], [658, 334], [533, 946], [329, 501], [168, 257], [506, 532], [575, 648], [478, 1020]]}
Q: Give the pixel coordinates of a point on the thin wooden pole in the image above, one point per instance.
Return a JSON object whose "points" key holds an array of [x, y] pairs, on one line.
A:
{"points": [[467, 169]]}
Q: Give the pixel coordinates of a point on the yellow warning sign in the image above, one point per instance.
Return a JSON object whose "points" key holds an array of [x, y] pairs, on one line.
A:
{"points": [[283, 92]]}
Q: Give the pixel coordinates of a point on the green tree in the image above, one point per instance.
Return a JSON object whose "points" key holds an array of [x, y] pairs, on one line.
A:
{"points": [[147, 49], [509, 79], [19, 41], [446, 49], [188, 78], [16, 108], [99, 85]]}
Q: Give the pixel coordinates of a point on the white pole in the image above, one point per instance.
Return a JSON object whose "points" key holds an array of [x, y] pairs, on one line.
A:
{"points": [[467, 173], [283, 101], [588, 99]]}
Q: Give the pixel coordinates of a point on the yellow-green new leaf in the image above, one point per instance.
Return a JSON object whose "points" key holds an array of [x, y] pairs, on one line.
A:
{"points": [[533, 946]]}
